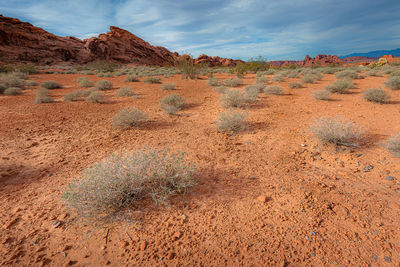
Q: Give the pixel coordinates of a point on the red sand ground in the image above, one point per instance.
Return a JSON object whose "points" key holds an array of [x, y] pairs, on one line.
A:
{"points": [[321, 208]]}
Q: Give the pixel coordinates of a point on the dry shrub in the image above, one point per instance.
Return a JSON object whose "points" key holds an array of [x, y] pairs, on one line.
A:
{"points": [[168, 86], [125, 91], [233, 98], [253, 91], [96, 97], [233, 82], [104, 85], [152, 80], [76, 95], [212, 81], [231, 121], [13, 79], [128, 118], [393, 145], [84, 82], [337, 131], [51, 85], [393, 83], [278, 78], [131, 78], [340, 86], [32, 83], [309, 78], [347, 74], [262, 80], [376, 95], [295, 85], [321, 95], [171, 104], [42, 96], [221, 89], [12, 91], [274, 90], [116, 183]]}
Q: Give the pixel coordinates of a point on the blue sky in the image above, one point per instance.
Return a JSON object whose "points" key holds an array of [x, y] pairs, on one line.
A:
{"points": [[279, 29]]}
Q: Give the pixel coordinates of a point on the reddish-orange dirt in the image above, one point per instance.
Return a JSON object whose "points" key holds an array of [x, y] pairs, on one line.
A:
{"points": [[271, 195]]}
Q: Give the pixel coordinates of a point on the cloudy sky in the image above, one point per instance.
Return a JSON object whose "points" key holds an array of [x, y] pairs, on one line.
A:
{"points": [[275, 29]]}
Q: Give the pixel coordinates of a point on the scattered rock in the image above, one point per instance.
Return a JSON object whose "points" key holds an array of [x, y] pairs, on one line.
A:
{"points": [[143, 245], [56, 224], [387, 259], [177, 235], [367, 168], [171, 255], [252, 178], [389, 178], [262, 199]]}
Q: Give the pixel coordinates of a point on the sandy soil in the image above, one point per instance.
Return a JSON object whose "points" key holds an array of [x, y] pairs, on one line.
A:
{"points": [[271, 195]]}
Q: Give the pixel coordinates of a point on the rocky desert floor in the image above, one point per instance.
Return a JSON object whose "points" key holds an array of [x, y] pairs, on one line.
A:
{"points": [[269, 196]]}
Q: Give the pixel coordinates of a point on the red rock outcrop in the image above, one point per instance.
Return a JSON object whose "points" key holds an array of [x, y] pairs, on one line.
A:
{"points": [[321, 60], [358, 59], [217, 61], [391, 59], [23, 42]]}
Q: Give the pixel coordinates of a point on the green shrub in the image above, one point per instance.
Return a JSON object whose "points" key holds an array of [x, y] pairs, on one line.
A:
{"points": [[171, 104], [128, 118], [96, 97], [152, 80], [51, 85], [337, 131], [233, 98], [104, 85], [125, 91], [231, 121], [347, 74], [12, 91], [221, 89], [212, 81], [262, 80], [233, 82], [393, 83], [131, 78], [168, 86], [376, 95], [340, 86], [393, 145], [295, 85], [321, 95], [274, 90], [84, 82], [121, 180]]}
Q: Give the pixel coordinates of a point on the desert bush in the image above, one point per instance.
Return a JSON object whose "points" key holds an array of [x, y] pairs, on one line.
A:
{"points": [[171, 104], [231, 121], [262, 80], [152, 80], [261, 73], [233, 98], [274, 90], [393, 83], [329, 70], [393, 145], [168, 86], [278, 78], [292, 74], [96, 97], [12, 79], [84, 82], [32, 83], [104, 85], [125, 91], [340, 86], [128, 118], [102, 66], [374, 72], [321, 95], [221, 89], [131, 78], [394, 73], [71, 97], [86, 72], [12, 91], [119, 181], [51, 85], [212, 81], [188, 68], [295, 85], [42, 96], [309, 78], [252, 92], [233, 82], [28, 68], [347, 74], [376, 95], [337, 131]]}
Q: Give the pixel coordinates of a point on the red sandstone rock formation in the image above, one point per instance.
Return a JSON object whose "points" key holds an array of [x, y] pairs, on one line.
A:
{"points": [[217, 61], [321, 60], [391, 59]]}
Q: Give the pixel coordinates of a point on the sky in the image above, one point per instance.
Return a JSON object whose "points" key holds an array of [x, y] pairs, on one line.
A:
{"points": [[240, 29]]}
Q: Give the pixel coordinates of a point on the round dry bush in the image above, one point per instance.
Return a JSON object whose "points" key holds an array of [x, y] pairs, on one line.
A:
{"points": [[321, 95], [12, 91], [376, 95], [347, 74], [274, 90], [231, 121], [75, 95], [171, 104], [152, 80], [374, 73], [32, 83], [221, 89], [338, 131], [393, 145], [116, 183], [104, 85], [262, 80], [253, 91], [293, 74], [295, 85], [233, 98], [42, 96], [309, 78], [51, 85], [278, 78], [131, 78], [393, 83], [96, 97], [84, 82], [212, 81], [128, 118], [168, 86], [340, 86], [233, 82], [13, 79], [125, 91]]}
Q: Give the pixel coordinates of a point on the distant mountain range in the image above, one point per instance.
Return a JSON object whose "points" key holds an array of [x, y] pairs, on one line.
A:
{"points": [[375, 54]]}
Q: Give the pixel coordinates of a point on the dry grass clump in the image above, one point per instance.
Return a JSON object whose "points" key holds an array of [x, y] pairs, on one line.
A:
{"points": [[12, 79], [278, 78], [12, 91], [233, 82], [393, 83], [262, 80], [128, 118], [374, 73], [51, 85], [84, 82], [32, 83], [152, 80], [212, 81], [111, 185], [274, 90], [104, 85], [292, 74], [337, 131], [340, 86], [295, 85], [131, 78], [221, 89], [233, 98], [96, 97], [393, 145], [76, 95], [309, 78], [376, 95], [168, 86], [42, 96], [321, 95], [231, 121], [347, 74], [171, 104], [125, 91]]}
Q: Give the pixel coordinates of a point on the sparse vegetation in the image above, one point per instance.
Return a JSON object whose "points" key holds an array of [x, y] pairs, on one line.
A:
{"points": [[12, 79], [125, 91], [212, 81], [84, 82], [51, 85], [274, 90], [104, 85], [117, 182], [393, 145], [233, 98], [262, 80], [376, 95], [340, 86], [152, 80], [278, 78], [168, 86], [12, 91], [309, 78], [128, 118], [347, 74], [96, 97], [221, 89], [171, 104], [231, 121], [295, 85], [321, 95], [131, 78], [233, 82], [337, 131], [393, 83], [32, 83], [42, 96]]}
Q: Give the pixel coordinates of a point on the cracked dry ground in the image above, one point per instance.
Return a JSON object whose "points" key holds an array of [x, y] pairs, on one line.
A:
{"points": [[306, 204]]}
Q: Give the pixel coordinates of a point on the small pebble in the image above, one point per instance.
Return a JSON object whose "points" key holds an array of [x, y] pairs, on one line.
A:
{"points": [[387, 259], [374, 257], [56, 223], [252, 178], [389, 178], [367, 168]]}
